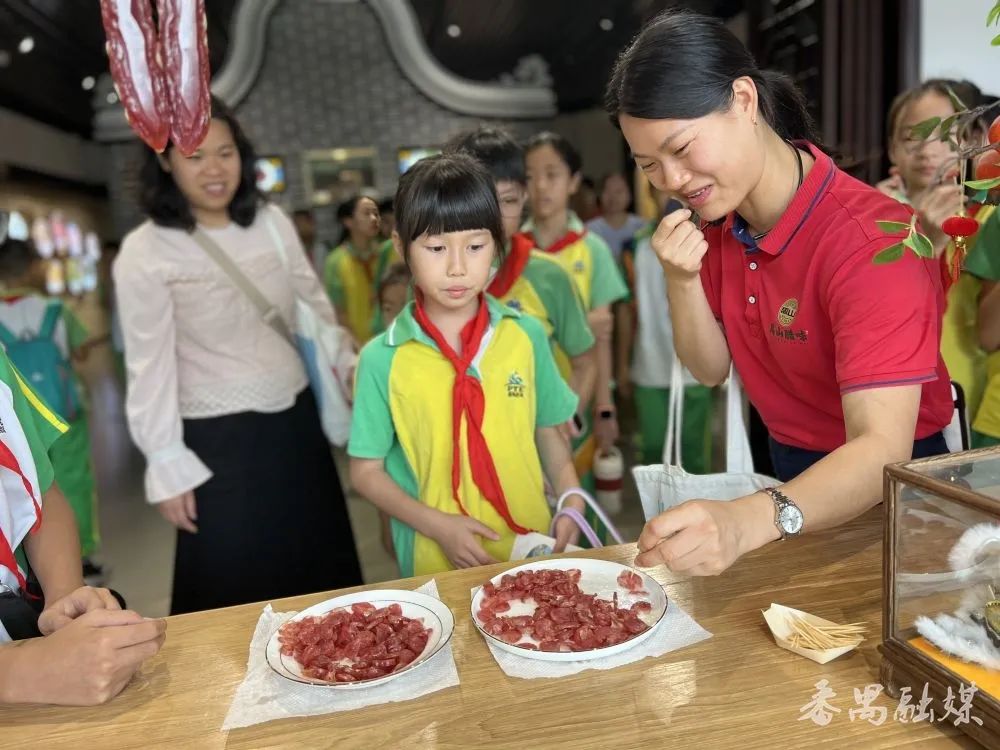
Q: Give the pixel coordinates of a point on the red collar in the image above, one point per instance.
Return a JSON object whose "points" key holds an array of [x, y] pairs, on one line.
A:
{"points": [[561, 244], [513, 265], [813, 188]]}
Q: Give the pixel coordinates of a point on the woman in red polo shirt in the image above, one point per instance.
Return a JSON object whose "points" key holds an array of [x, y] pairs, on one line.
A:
{"points": [[839, 356]]}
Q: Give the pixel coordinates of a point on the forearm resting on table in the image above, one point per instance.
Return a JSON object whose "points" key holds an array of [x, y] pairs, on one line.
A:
{"points": [[880, 426], [698, 339], [54, 550], [584, 376], [557, 463], [369, 478]]}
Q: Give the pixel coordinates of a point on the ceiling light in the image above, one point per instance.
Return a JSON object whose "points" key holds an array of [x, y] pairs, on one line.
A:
{"points": [[112, 97], [88, 83], [26, 45], [4, 58], [454, 31], [606, 24]]}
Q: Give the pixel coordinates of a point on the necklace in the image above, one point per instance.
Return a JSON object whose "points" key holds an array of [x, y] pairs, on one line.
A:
{"points": [[798, 158]]}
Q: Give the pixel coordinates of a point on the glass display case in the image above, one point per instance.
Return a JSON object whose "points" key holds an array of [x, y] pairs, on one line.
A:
{"points": [[941, 589]]}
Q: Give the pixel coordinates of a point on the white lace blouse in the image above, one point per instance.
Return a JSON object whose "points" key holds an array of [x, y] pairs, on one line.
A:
{"points": [[195, 346]]}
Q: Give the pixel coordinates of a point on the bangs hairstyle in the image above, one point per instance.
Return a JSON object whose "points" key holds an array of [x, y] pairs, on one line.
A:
{"points": [[967, 91], [495, 149], [447, 193], [163, 201], [565, 149], [682, 65]]}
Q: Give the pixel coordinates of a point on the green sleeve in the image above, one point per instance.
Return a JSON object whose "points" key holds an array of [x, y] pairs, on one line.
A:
{"points": [[76, 332], [334, 283], [606, 285], [562, 300], [983, 259], [372, 430], [555, 402], [41, 426]]}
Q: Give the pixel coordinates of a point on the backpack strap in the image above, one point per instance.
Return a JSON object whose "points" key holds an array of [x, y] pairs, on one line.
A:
{"points": [[50, 321]]}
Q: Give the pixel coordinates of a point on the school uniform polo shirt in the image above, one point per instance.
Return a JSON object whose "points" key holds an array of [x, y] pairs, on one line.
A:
{"points": [[589, 262], [545, 292], [403, 414], [351, 282], [28, 428], [808, 317]]}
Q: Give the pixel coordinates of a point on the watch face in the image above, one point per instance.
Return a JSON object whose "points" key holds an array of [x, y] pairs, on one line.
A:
{"points": [[790, 518]]}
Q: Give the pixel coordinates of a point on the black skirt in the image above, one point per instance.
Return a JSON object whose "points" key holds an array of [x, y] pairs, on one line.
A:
{"points": [[272, 521]]}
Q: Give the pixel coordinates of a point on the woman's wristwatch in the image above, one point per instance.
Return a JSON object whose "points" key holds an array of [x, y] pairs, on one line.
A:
{"points": [[787, 515]]}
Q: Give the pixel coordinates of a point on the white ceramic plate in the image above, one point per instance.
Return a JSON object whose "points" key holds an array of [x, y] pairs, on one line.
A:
{"points": [[596, 577], [435, 614]]}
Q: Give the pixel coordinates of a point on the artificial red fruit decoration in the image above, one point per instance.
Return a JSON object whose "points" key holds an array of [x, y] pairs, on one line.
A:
{"points": [[988, 166], [994, 136]]}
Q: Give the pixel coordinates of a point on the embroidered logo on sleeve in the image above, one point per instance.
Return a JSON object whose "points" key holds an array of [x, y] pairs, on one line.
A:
{"points": [[515, 386]]}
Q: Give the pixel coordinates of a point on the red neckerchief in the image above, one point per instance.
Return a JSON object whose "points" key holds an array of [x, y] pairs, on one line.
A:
{"points": [[513, 266], [468, 399], [561, 244], [7, 560]]}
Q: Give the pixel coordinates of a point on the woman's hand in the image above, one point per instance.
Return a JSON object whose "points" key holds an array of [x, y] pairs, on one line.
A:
{"points": [[705, 537], [181, 511], [679, 245]]}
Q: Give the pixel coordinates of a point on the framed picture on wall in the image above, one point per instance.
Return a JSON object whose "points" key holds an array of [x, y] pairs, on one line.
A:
{"points": [[334, 175]]}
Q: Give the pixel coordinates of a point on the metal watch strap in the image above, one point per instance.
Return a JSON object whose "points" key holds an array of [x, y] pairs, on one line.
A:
{"points": [[781, 501]]}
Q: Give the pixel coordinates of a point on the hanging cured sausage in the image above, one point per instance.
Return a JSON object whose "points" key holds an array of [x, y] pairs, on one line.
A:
{"points": [[133, 54], [162, 77], [184, 42]]}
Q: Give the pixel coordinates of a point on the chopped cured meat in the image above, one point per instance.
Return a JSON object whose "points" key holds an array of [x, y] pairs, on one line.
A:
{"points": [[565, 617], [361, 642], [630, 581]]}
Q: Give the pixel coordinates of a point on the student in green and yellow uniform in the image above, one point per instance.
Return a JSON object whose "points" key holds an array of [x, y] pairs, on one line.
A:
{"points": [[553, 173], [43, 337], [527, 280], [458, 405], [983, 261], [926, 181], [90, 648], [353, 269]]}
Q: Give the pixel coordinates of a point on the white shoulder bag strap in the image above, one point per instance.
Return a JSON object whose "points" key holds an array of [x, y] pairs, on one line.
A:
{"points": [[268, 312]]}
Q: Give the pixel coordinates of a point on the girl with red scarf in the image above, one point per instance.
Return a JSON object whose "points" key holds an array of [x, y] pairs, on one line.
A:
{"points": [[458, 405]]}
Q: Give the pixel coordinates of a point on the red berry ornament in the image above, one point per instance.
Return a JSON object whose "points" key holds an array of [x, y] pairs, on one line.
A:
{"points": [[988, 166], [994, 136]]}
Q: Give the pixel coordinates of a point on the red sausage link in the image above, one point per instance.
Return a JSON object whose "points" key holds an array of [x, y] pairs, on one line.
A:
{"points": [[184, 41], [133, 54]]}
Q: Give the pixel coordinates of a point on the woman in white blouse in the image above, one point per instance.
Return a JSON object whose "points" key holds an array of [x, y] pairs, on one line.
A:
{"points": [[217, 400]]}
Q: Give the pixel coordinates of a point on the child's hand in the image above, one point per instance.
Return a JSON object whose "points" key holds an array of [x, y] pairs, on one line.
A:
{"points": [[567, 532], [459, 539]]}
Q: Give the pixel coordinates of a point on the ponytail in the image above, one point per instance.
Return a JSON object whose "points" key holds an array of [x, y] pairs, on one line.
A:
{"points": [[784, 108]]}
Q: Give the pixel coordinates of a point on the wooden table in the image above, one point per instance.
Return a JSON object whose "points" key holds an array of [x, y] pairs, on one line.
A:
{"points": [[734, 690]]}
